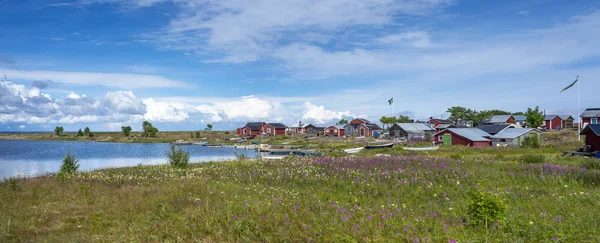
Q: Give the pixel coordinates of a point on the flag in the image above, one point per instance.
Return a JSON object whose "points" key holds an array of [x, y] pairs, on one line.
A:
{"points": [[571, 85], [391, 101]]}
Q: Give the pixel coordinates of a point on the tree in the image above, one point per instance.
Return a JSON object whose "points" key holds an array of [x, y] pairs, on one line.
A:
{"points": [[79, 133], [342, 122], [58, 130], [458, 112], [69, 165], [87, 132], [197, 134], [520, 113], [208, 127], [126, 130], [403, 119], [178, 157], [149, 130], [535, 118]]}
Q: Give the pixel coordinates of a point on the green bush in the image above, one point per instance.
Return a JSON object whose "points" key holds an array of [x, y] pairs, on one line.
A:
{"points": [[12, 184], [178, 157], [69, 165], [486, 208], [531, 142], [532, 159]]}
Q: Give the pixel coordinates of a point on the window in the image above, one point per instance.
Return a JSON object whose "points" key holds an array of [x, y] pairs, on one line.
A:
{"points": [[594, 120], [502, 140], [441, 138], [268, 130]]}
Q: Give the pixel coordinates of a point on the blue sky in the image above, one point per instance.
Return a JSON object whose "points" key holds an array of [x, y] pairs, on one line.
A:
{"points": [[184, 63]]}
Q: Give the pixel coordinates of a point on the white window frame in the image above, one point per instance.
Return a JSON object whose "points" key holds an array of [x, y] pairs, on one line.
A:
{"points": [[594, 120], [268, 130], [440, 138]]}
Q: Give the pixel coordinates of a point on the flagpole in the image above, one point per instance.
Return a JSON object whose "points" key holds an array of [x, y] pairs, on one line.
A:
{"points": [[578, 110]]}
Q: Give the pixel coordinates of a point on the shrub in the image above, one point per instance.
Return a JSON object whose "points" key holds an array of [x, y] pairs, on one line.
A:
{"points": [[178, 157], [531, 142], [69, 165], [126, 130], [58, 130], [533, 159], [12, 184], [485, 208], [79, 133]]}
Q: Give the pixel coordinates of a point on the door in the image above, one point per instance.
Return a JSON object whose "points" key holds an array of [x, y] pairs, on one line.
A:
{"points": [[447, 139], [331, 132], [362, 132]]}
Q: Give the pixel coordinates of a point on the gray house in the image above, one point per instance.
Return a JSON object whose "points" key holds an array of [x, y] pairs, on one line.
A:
{"points": [[411, 131], [514, 136]]}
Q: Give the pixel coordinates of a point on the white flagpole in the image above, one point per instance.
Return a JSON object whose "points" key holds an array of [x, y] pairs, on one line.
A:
{"points": [[578, 111]]}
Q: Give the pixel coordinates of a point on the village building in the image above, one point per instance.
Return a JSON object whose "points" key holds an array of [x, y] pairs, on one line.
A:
{"points": [[464, 123], [494, 129], [251, 129], [274, 129], [362, 127], [499, 119], [567, 121], [590, 116], [443, 127], [514, 137], [592, 136], [360, 121], [411, 131], [520, 120], [337, 130], [552, 122], [471, 137], [435, 122]]}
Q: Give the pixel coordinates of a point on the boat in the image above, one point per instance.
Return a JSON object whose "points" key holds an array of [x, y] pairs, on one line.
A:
{"points": [[353, 150], [280, 154], [181, 142], [421, 149], [213, 145], [387, 145], [201, 143], [264, 148]]}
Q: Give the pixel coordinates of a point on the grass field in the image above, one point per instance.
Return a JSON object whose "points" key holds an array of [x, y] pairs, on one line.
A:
{"points": [[406, 197]]}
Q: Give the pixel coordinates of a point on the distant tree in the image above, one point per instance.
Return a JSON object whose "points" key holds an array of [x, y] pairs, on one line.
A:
{"points": [[148, 129], [79, 133], [535, 118], [342, 122], [126, 130], [458, 112], [87, 132], [520, 113], [403, 119], [197, 134], [209, 127], [58, 130]]}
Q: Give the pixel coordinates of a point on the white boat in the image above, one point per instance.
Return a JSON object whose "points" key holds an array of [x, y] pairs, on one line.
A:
{"points": [[353, 150], [421, 149]]}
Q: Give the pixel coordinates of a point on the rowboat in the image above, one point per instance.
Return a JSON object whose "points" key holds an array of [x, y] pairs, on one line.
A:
{"points": [[181, 142], [387, 145], [213, 145], [353, 150], [201, 143], [421, 149]]}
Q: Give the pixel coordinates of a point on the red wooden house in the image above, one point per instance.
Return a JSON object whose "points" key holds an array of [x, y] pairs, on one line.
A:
{"points": [[252, 129], [360, 121], [337, 130], [590, 116], [434, 122], [552, 122], [472, 137], [273, 129], [592, 136]]}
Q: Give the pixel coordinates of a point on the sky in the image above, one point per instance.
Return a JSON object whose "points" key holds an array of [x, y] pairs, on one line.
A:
{"points": [[182, 64]]}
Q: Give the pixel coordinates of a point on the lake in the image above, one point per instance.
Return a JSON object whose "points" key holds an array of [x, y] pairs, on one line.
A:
{"points": [[31, 158]]}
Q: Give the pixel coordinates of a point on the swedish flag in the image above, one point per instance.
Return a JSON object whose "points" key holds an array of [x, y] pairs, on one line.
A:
{"points": [[571, 85], [391, 101]]}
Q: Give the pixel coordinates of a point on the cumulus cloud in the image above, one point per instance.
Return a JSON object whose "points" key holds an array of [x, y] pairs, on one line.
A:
{"points": [[163, 111], [321, 115]]}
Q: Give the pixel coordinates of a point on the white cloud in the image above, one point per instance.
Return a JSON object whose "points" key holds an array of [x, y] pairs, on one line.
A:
{"points": [[124, 102], [119, 80], [22, 127], [420, 39], [163, 111], [320, 115]]}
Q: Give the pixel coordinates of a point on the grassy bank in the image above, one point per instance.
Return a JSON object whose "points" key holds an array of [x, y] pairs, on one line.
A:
{"points": [[405, 198]]}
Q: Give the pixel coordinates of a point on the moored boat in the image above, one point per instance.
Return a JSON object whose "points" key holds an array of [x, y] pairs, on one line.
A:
{"points": [[353, 150], [421, 149], [181, 142], [387, 145]]}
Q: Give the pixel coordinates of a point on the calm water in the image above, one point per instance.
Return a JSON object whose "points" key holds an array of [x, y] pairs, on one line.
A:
{"points": [[30, 158]]}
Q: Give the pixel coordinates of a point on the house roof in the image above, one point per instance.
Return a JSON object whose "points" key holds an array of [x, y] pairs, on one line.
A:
{"points": [[254, 126], [513, 132], [591, 112], [415, 127], [363, 120], [520, 118], [473, 134], [443, 126], [494, 128], [372, 126], [353, 125], [565, 117], [339, 127], [497, 119], [594, 127], [443, 121], [277, 125], [550, 117]]}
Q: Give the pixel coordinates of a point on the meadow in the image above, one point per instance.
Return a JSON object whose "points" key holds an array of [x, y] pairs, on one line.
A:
{"points": [[387, 195]]}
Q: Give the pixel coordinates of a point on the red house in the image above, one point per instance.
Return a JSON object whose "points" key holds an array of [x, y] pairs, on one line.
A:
{"points": [[252, 129], [434, 122], [274, 129], [592, 136], [499, 119], [360, 121], [552, 122], [337, 130], [368, 130], [472, 137], [590, 116]]}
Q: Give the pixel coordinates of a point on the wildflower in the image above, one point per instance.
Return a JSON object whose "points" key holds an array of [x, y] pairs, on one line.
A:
{"points": [[554, 239], [451, 241]]}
